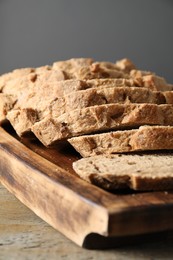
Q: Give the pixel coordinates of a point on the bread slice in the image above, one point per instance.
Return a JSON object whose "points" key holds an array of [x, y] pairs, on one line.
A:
{"points": [[143, 139], [13, 75], [22, 120], [16, 85], [101, 118], [22, 73], [107, 95], [138, 172], [61, 88], [89, 69], [150, 80], [73, 63]]}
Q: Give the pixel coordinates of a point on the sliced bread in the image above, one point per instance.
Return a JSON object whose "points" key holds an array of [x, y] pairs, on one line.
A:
{"points": [[105, 95], [76, 94], [69, 95], [101, 118], [143, 139], [138, 172], [29, 94]]}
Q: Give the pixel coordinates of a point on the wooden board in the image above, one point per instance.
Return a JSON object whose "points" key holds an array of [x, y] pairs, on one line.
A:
{"points": [[44, 181]]}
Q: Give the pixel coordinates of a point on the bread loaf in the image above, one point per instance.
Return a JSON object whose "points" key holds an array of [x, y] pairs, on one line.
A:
{"points": [[102, 108]]}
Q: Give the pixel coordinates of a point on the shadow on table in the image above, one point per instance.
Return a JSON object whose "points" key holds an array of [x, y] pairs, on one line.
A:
{"points": [[95, 241]]}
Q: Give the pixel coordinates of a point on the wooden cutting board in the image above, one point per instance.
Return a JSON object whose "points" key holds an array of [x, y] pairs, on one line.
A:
{"points": [[43, 179]]}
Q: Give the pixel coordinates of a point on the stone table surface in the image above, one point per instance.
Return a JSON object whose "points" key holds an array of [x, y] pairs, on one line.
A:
{"points": [[23, 235]]}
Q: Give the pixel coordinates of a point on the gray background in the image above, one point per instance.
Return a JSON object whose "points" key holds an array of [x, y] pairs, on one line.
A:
{"points": [[38, 32]]}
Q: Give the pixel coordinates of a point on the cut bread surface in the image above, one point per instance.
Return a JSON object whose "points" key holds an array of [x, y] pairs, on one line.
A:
{"points": [[138, 172]]}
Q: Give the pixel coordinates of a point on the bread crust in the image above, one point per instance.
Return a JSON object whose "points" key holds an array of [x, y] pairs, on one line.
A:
{"points": [[143, 139], [101, 118]]}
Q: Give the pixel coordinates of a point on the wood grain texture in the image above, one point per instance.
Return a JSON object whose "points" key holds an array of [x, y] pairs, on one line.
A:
{"points": [[23, 235], [44, 181]]}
